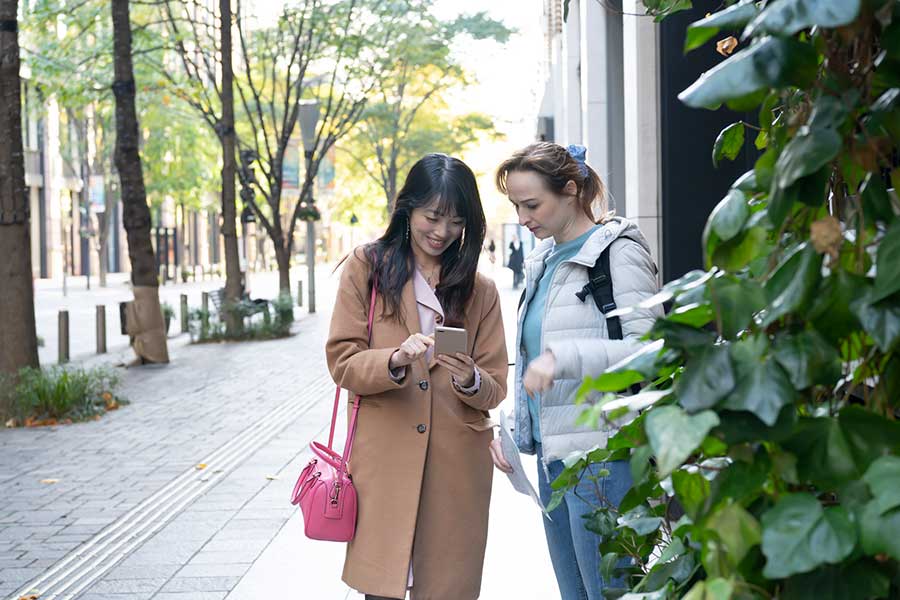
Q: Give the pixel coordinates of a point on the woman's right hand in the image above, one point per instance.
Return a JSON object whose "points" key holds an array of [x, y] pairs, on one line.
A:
{"points": [[498, 458], [411, 350]]}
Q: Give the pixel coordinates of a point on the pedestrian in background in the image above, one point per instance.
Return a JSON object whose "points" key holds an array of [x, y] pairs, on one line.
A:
{"points": [[516, 262], [421, 462], [563, 337]]}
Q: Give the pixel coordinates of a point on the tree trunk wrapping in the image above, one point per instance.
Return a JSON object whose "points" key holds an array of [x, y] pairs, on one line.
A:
{"points": [[136, 214], [145, 325]]}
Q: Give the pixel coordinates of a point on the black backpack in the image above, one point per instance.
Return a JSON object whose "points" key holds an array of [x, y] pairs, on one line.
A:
{"points": [[600, 288]]}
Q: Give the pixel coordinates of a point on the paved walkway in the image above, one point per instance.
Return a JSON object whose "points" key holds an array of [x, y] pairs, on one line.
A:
{"points": [[183, 494], [81, 304]]}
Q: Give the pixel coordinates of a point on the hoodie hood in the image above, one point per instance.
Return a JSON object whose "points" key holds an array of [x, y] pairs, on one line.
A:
{"points": [[613, 229]]}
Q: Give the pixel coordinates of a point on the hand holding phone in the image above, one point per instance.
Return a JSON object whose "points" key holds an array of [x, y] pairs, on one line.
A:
{"points": [[450, 340], [411, 350], [451, 352]]}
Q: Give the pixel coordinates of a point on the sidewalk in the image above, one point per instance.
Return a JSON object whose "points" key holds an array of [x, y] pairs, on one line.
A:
{"points": [[121, 508], [81, 304]]}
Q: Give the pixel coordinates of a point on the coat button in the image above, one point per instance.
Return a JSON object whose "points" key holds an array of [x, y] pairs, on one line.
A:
{"points": [[421, 428], [423, 385]]}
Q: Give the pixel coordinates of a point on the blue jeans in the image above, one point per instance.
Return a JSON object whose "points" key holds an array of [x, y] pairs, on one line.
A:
{"points": [[574, 551]]}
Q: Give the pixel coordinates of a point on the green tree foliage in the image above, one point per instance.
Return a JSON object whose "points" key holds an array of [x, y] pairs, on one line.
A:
{"points": [[315, 52], [69, 54], [772, 389], [182, 154], [407, 114]]}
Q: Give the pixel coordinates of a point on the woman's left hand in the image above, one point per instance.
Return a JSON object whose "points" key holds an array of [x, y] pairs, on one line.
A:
{"points": [[461, 367], [539, 375]]}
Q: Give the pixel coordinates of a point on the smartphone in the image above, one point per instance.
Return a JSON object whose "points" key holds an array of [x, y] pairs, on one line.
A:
{"points": [[450, 340]]}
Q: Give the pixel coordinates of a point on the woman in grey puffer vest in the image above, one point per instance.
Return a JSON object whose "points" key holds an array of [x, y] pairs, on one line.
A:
{"points": [[562, 339]]}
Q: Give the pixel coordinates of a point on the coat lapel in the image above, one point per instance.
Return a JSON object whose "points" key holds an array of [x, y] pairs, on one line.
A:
{"points": [[410, 309]]}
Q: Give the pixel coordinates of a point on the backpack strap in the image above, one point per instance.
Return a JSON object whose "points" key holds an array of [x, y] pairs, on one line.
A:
{"points": [[600, 288]]}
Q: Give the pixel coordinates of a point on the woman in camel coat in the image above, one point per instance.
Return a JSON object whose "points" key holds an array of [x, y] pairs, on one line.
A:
{"points": [[421, 463]]}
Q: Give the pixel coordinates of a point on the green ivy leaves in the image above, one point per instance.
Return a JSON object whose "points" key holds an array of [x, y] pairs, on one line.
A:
{"points": [[834, 451], [706, 380], [770, 62], [806, 154], [737, 15], [883, 478], [728, 143], [737, 530], [729, 216], [763, 390], [793, 283], [787, 17], [674, 434], [767, 355], [799, 535], [808, 358], [887, 277]]}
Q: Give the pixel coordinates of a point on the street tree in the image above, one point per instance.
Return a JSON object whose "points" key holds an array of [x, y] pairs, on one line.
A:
{"points": [[68, 49], [383, 159], [18, 338], [202, 40], [316, 51], [181, 154], [151, 337], [407, 115]]}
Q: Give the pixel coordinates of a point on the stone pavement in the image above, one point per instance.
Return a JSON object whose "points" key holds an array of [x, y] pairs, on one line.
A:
{"points": [[121, 509], [81, 304]]}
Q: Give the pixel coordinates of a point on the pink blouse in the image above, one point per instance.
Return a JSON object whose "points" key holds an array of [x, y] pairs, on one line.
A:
{"points": [[431, 314]]}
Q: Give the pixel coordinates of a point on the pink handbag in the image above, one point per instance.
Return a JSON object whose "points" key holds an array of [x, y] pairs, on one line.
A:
{"points": [[325, 490]]}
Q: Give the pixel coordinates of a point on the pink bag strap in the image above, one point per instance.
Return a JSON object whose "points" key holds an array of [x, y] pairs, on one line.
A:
{"points": [[351, 433], [337, 392]]}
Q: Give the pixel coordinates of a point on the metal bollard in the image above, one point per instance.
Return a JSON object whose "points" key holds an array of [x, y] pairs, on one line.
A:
{"points": [[63, 336], [300, 293], [184, 313], [101, 329]]}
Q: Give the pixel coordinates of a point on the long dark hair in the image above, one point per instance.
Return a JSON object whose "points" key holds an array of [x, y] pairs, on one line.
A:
{"points": [[447, 180]]}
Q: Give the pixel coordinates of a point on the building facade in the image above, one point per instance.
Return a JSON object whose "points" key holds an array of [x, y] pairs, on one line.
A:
{"points": [[613, 75], [68, 208]]}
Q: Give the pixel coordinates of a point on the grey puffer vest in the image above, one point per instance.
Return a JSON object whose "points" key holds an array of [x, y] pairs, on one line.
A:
{"points": [[575, 332]]}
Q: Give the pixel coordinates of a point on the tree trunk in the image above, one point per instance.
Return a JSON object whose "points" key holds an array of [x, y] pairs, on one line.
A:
{"points": [[283, 258], [86, 173], [284, 245], [104, 225], [392, 185], [149, 337], [229, 167], [103, 242], [18, 338]]}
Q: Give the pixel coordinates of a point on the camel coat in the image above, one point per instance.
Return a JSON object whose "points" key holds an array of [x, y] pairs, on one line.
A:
{"points": [[420, 463]]}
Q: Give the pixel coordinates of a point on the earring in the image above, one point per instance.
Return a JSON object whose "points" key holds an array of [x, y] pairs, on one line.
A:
{"points": [[407, 233]]}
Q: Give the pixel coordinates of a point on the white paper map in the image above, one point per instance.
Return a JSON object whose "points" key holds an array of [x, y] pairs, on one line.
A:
{"points": [[518, 478]]}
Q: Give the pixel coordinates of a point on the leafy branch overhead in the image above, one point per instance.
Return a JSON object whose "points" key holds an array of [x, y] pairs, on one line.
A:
{"points": [[765, 461], [406, 115]]}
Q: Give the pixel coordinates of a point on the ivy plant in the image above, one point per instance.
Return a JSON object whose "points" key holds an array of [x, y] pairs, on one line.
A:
{"points": [[765, 451]]}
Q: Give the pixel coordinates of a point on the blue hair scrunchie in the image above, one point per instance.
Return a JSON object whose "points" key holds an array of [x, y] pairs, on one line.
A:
{"points": [[579, 153]]}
